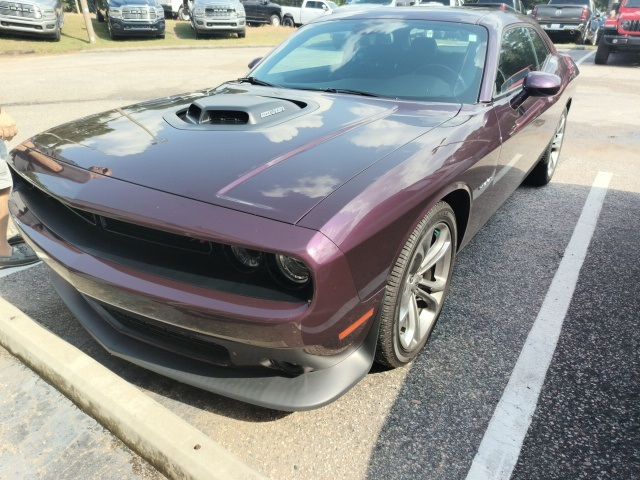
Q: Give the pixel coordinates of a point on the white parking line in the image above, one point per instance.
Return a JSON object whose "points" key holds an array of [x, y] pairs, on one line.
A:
{"points": [[584, 57], [500, 447]]}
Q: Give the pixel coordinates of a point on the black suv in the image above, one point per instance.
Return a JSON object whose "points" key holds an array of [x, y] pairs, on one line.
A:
{"points": [[262, 11], [128, 18]]}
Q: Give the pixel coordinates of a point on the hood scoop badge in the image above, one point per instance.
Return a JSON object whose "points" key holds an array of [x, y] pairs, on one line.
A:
{"points": [[234, 111]]}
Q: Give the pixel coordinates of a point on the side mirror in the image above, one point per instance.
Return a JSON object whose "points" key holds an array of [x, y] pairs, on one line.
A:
{"points": [[537, 84], [254, 62]]}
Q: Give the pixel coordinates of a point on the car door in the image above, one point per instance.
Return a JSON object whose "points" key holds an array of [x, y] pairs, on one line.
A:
{"points": [[525, 131], [310, 10], [250, 10]]}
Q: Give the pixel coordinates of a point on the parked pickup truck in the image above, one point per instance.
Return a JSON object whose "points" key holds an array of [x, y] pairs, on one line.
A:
{"points": [[175, 9], [572, 17], [621, 31], [300, 12], [39, 17]]}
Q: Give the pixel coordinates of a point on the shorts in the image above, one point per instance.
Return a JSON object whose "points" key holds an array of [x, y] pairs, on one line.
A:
{"points": [[5, 174]]}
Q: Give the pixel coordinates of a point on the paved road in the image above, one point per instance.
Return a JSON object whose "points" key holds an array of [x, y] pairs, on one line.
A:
{"points": [[425, 421], [44, 435]]}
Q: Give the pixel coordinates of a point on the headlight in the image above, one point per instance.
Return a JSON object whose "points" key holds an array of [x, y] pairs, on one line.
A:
{"points": [[115, 13], [626, 25], [49, 14], [160, 12], [245, 259], [293, 269]]}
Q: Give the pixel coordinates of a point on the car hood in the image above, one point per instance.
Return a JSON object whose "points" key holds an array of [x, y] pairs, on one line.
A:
{"points": [[296, 149]]}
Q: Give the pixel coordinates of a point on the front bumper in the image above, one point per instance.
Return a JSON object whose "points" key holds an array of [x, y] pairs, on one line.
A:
{"points": [[625, 43], [279, 354], [137, 27], [204, 25], [26, 25]]}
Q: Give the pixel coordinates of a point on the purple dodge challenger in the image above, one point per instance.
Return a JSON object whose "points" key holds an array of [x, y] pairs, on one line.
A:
{"points": [[271, 238]]}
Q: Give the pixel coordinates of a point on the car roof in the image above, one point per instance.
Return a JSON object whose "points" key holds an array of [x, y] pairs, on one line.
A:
{"points": [[475, 15]]}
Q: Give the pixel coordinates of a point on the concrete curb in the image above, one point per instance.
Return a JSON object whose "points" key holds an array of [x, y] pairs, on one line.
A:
{"points": [[166, 441]]}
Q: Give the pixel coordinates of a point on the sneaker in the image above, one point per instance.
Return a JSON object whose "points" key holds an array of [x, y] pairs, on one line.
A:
{"points": [[21, 255]]}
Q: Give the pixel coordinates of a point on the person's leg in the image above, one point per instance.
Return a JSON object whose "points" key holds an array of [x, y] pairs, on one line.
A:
{"points": [[5, 248]]}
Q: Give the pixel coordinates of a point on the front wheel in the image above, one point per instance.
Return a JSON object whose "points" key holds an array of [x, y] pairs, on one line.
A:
{"points": [[417, 287], [242, 34], [288, 22], [602, 54], [275, 20]]}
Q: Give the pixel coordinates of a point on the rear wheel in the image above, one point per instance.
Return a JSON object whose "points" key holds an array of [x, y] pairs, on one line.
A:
{"points": [[275, 20], [99, 16], [417, 287], [602, 54], [546, 167]]}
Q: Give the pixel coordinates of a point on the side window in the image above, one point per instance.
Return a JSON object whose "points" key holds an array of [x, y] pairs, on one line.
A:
{"points": [[517, 58], [540, 47]]}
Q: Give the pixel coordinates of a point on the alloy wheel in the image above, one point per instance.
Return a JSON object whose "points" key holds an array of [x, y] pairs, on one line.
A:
{"points": [[424, 287]]}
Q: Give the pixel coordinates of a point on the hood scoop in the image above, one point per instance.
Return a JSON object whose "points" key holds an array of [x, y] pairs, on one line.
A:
{"points": [[233, 111]]}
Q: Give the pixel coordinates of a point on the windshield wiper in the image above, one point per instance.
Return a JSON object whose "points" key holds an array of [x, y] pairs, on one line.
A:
{"points": [[255, 81], [349, 91]]}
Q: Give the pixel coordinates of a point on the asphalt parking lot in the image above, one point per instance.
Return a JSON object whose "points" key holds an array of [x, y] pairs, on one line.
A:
{"points": [[428, 420]]}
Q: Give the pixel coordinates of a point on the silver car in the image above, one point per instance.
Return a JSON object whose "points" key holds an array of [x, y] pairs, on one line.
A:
{"points": [[218, 16], [39, 17]]}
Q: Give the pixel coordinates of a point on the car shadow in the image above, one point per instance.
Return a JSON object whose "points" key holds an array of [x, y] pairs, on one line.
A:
{"points": [[624, 59]]}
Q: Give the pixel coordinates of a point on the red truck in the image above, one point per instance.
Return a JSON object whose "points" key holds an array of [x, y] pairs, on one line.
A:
{"points": [[621, 31]]}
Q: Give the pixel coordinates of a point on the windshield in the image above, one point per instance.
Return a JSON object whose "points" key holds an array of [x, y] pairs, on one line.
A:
{"points": [[405, 59], [120, 3], [569, 2], [371, 2]]}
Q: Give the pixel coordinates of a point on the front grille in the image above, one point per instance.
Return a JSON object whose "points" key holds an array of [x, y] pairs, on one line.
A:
{"points": [[138, 13], [23, 10], [168, 337], [180, 258], [634, 27], [218, 11]]}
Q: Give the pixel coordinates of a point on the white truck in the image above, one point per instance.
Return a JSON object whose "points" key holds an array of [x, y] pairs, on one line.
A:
{"points": [[175, 9], [299, 12]]}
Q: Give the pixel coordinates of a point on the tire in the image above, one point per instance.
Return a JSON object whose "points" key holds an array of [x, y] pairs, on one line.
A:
{"points": [[112, 35], [274, 21], [99, 16], [288, 22], [242, 34], [403, 334], [56, 35], [548, 163], [579, 38], [602, 54], [183, 15]]}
